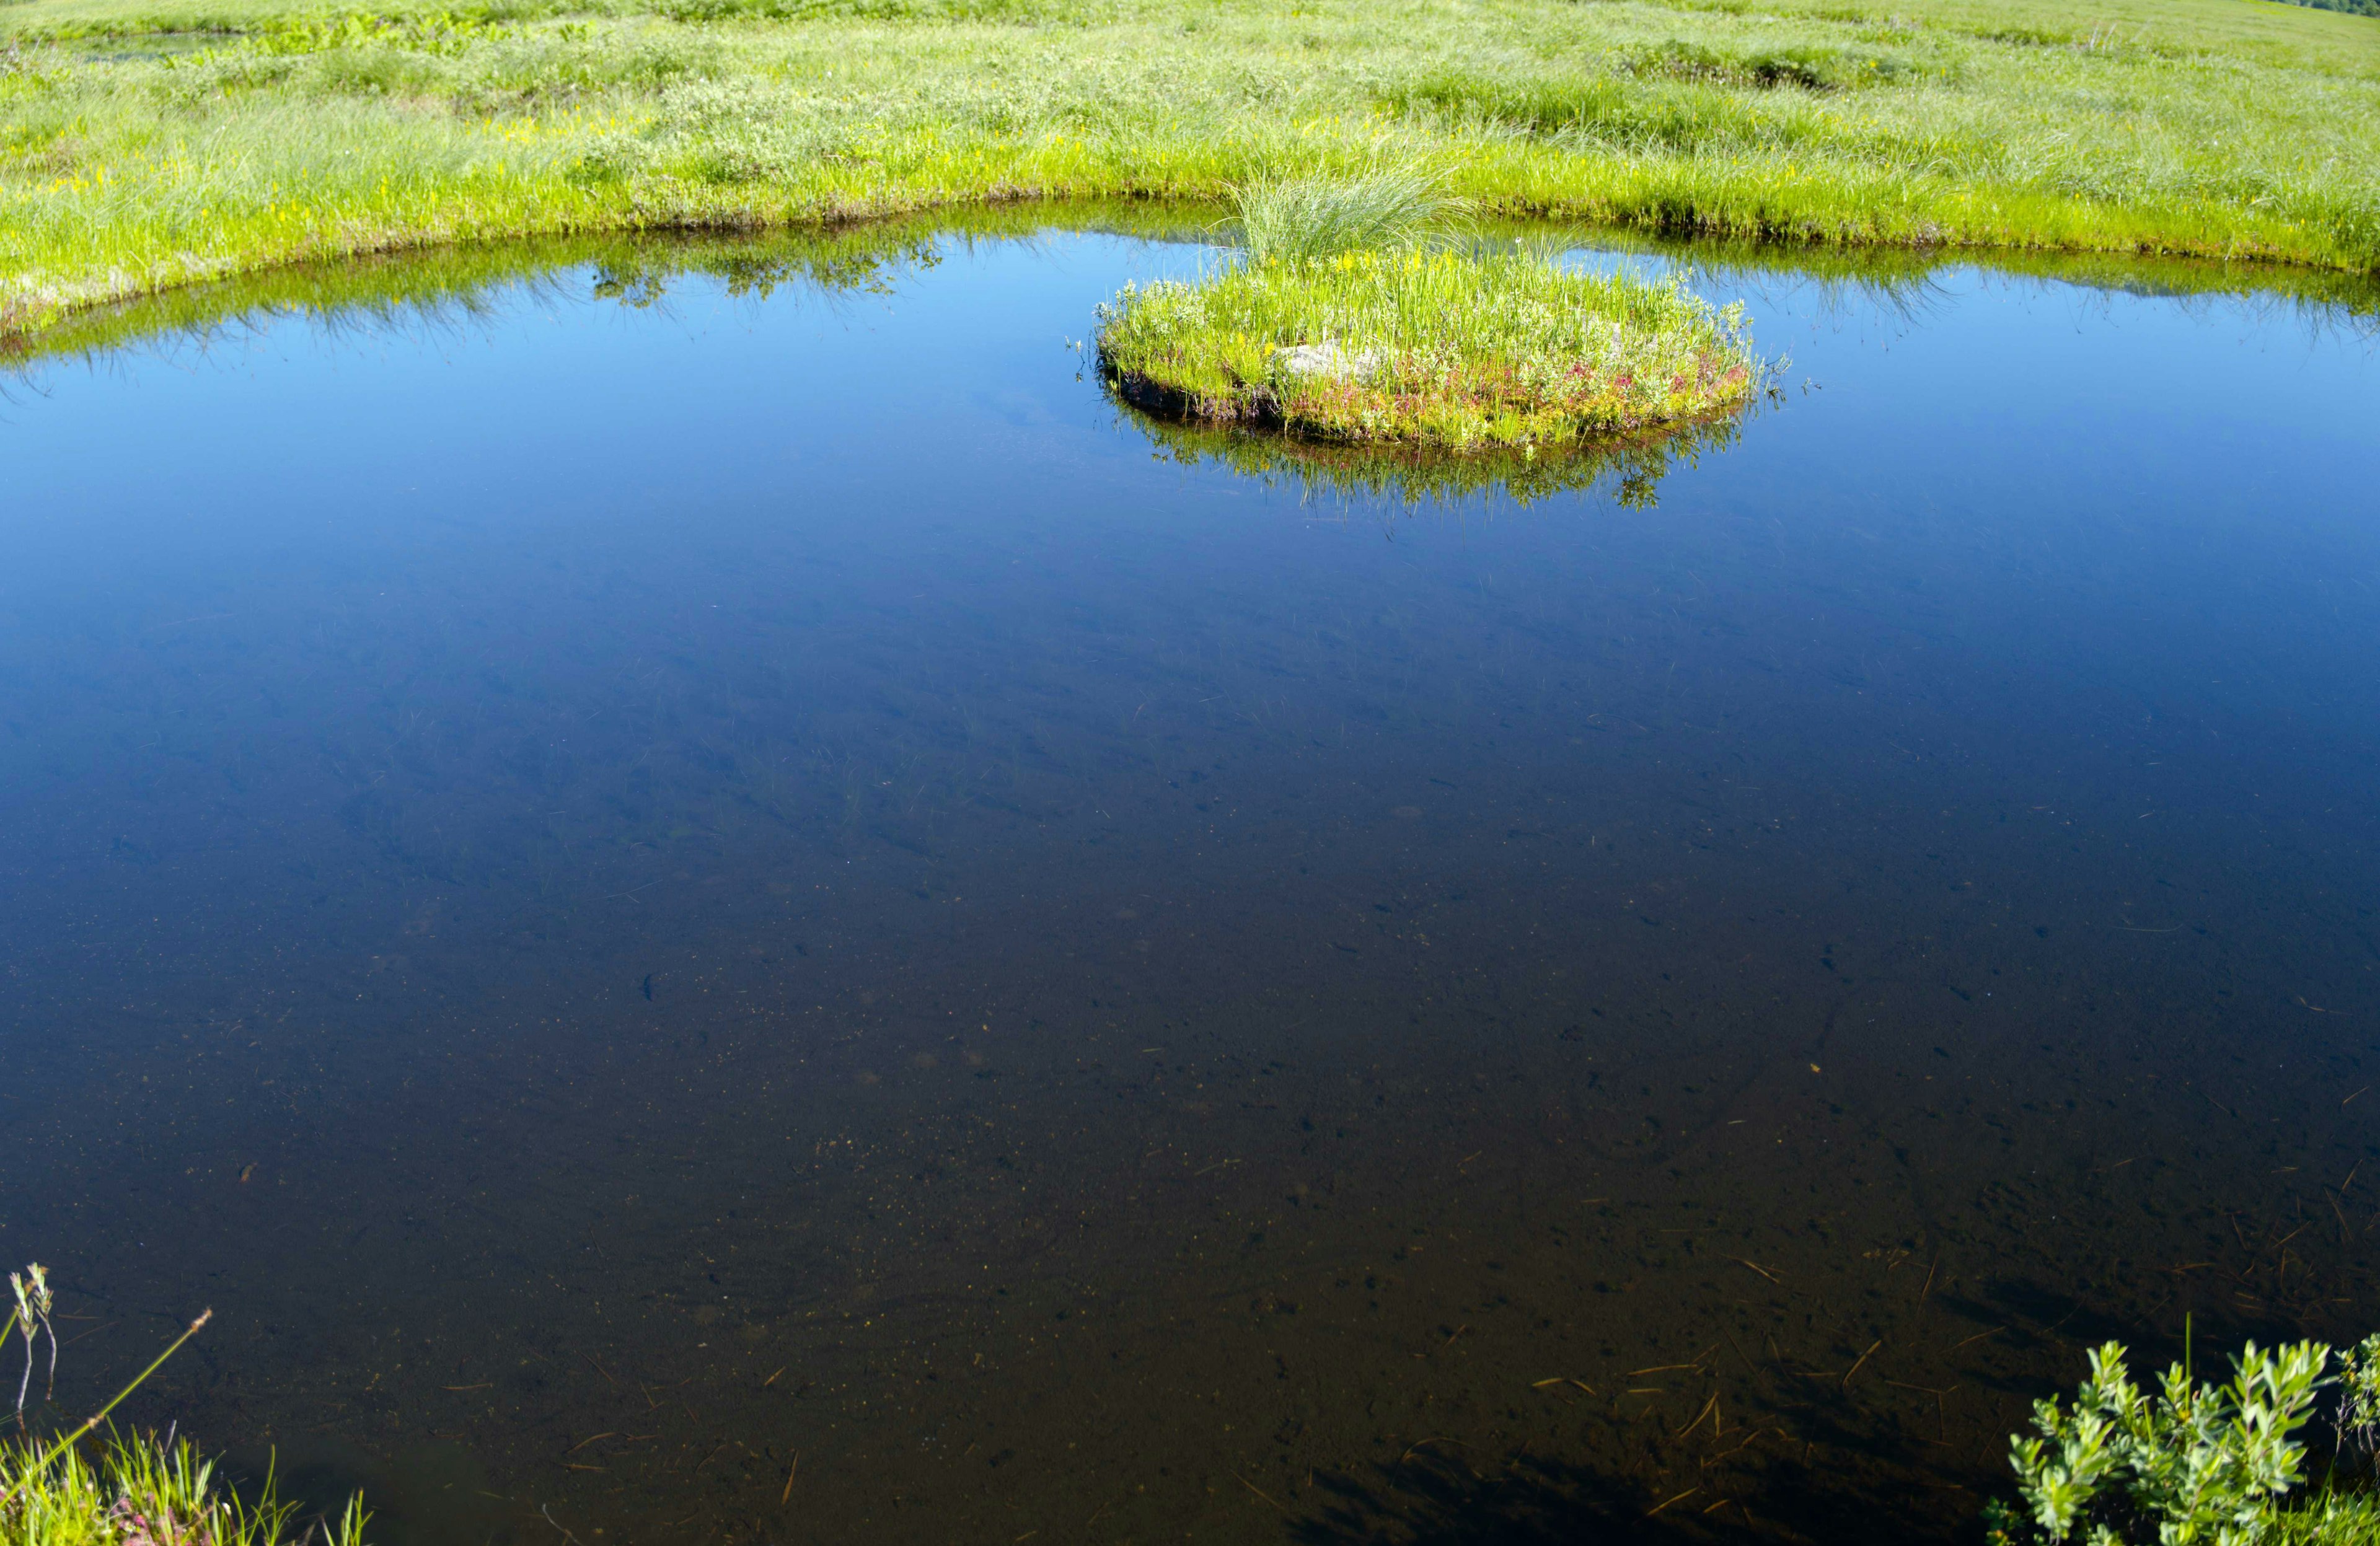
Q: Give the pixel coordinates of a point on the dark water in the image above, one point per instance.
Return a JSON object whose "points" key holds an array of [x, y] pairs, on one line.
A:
{"points": [[746, 918]]}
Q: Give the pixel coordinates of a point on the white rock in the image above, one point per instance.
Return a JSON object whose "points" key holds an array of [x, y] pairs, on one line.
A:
{"points": [[1325, 359]]}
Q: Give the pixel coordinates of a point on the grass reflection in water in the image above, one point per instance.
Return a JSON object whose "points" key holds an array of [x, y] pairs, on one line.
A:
{"points": [[1629, 467]]}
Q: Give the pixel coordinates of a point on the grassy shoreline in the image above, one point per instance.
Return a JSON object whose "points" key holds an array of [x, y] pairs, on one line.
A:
{"points": [[435, 283], [439, 283], [147, 144]]}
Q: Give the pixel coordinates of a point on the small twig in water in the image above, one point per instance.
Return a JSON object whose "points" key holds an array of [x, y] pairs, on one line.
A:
{"points": [[1257, 1491], [1862, 1358]]}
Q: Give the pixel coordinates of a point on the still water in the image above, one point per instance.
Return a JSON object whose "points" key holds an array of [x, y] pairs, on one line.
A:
{"points": [[712, 911]]}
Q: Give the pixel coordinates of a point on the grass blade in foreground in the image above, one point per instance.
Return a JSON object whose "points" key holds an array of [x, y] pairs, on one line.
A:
{"points": [[1440, 350]]}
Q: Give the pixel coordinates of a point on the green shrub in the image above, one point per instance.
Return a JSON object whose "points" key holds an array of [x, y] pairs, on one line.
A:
{"points": [[2189, 1463]]}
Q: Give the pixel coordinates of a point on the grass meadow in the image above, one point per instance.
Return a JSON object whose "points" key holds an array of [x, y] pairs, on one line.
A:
{"points": [[145, 144]]}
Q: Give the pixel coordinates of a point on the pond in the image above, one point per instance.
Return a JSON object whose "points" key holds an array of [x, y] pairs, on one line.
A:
{"points": [[709, 899]]}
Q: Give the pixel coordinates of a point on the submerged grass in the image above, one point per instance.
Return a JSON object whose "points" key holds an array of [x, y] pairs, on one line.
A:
{"points": [[1445, 349], [149, 143]]}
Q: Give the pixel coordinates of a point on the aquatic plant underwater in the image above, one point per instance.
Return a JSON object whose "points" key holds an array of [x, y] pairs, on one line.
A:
{"points": [[140, 1490], [2187, 1464], [1355, 311]]}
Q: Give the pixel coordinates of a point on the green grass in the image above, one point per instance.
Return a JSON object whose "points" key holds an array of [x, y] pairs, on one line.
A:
{"points": [[1441, 349], [149, 143], [439, 285], [1380, 206], [1421, 340], [144, 1492], [138, 1491], [2325, 1518]]}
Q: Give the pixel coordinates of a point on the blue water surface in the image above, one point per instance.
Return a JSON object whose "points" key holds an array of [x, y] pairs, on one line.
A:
{"points": [[754, 914]]}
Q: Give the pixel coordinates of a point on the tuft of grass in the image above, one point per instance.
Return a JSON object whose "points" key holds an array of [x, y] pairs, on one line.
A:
{"points": [[2329, 1517], [1444, 350], [1287, 219], [141, 1491]]}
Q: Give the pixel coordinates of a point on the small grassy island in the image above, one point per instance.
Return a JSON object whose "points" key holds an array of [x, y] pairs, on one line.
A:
{"points": [[1351, 316]]}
